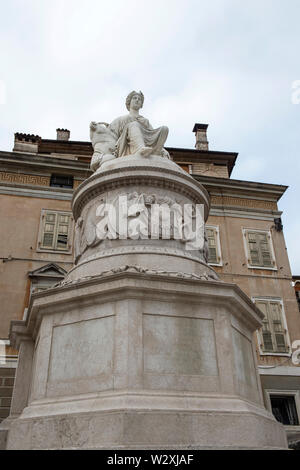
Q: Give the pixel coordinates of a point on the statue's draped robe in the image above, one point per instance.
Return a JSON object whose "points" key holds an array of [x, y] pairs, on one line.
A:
{"points": [[152, 137]]}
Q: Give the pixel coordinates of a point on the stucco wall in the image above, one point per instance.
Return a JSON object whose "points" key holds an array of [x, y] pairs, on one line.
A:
{"points": [[20, 219]]}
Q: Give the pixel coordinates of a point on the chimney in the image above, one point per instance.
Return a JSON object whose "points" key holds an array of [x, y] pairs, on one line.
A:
{"points": [[26, 142], [62, 134], [201, 137]]}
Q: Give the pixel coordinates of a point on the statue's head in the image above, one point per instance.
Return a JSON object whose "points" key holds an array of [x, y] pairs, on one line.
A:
{"points": [[131, 95]]}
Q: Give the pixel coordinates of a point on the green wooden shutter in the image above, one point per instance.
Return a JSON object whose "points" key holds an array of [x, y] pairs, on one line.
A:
{"points": [[49, 230], [273, 333], [212, 245], [253, 248], [278, 330], [266, 331], [259, 249], [62, 231], [55, 231], [265, 249]]}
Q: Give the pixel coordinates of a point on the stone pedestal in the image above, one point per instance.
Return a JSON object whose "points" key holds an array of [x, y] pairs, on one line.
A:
{"points": [[141, 346]]}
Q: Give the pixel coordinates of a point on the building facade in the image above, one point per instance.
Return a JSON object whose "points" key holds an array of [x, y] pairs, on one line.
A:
{"points": [[244, 232], [296, 280]]}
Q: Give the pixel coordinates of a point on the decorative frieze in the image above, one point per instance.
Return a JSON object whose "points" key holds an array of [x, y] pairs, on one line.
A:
{"points": [[147, 216], [242, 202], [24, 179], [139, 269]]}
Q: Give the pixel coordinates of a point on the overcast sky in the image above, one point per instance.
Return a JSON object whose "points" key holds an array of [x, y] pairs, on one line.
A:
{"points": [[228, 63]]}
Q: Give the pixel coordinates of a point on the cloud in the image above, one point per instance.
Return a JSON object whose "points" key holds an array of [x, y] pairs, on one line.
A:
{"points": [[67, 62]]}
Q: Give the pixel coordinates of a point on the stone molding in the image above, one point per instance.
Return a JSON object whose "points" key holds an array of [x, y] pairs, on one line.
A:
{"points": [[255, 214], [141, 284], [112, 401], [174, 179], [140, 249], [42, 192], [139, 269]]}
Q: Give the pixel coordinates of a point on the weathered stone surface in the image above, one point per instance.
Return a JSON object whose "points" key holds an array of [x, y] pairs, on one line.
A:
{"points": [[144, 367], [93, 338], [181, 346], [148, 430]]}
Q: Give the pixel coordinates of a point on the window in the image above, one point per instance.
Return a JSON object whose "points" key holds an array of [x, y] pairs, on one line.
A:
{"points": [[185, 167], [273, 335], [298, 298], [284, 409], [45, 277], [214, 248], [259, 249], [55, 231], [61, 181]]}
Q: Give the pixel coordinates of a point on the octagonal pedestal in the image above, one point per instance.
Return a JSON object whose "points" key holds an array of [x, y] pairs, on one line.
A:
{"points": [[132, 361]]}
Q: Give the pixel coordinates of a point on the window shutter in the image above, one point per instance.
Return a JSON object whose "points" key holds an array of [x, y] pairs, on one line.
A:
{"points": [[265, 249], [278, 329], [48, 240], [56, 228], [280, 342], [253, 248], [212, 245], [62, 232], [266, 330], [273, 333], [267, 341], [259, 249], [49, 230]]}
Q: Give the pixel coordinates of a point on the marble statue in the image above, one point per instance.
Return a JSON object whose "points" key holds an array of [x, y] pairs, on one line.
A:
{"points": [[131, 134], [103, 141]]}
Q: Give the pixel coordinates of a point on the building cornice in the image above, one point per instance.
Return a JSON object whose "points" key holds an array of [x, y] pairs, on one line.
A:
{"points": [[45, 164], [223, 186], [187, 156], [279, 370], [36, 191], [84, 150], [244, 214]]}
